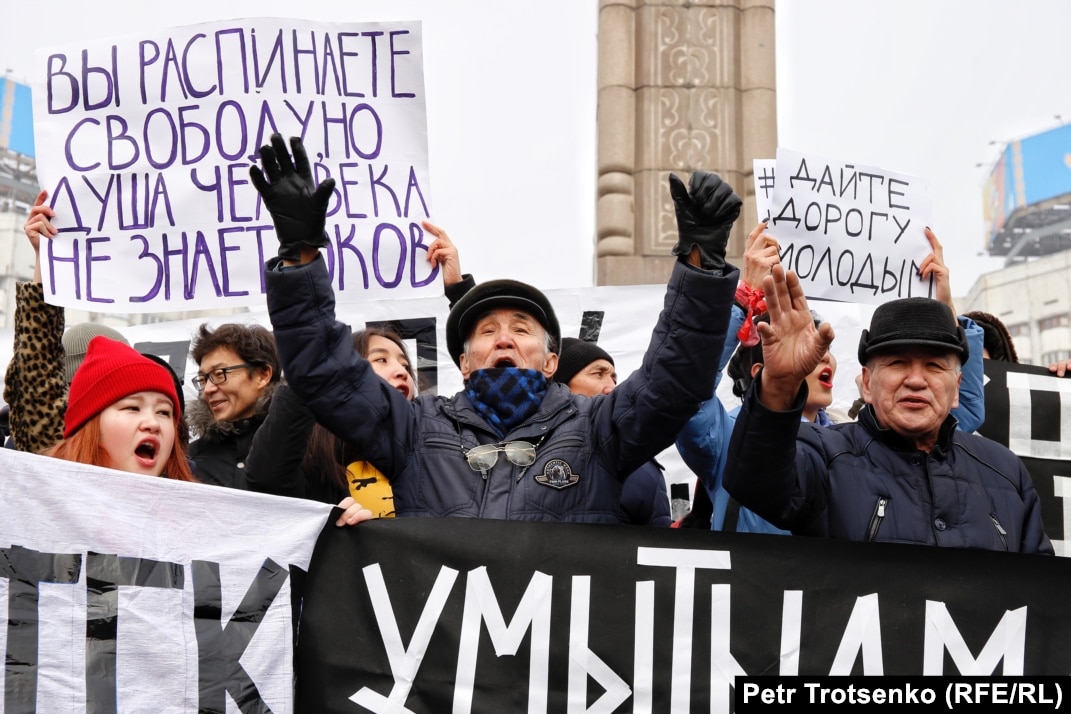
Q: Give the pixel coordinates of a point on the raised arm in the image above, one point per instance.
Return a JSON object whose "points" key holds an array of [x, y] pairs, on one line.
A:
{"points": [[35, 385], [971, 410], [704, 440], [653, 404], [761, 253], [444, 254], [970, 414], [337, 384], [761, 469]]}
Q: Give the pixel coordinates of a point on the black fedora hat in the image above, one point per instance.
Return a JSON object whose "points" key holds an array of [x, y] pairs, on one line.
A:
{"points": [[913, 322]]}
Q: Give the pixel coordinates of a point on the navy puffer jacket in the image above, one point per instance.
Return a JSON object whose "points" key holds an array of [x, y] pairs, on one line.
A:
{"points": [[859, 481]]}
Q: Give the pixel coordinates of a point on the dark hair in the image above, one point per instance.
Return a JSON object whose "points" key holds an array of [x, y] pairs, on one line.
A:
{"points": [[327, 456], [362, 339], [254, 344], [996, 338]]}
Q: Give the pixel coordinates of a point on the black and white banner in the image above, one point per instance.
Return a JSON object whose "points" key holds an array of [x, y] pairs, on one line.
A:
{"points": [[427, 615], [124, 593], [1025, 410]]}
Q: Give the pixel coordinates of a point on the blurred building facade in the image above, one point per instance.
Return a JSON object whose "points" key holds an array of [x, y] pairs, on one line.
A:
{"points": [[1027, 200], [1033, 300], [681, 86], [18, 190], [18, 187]]}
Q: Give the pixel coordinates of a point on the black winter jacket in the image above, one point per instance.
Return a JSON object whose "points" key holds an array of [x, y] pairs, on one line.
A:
{"points": [[859, 481], [219, 449], [645, 498]]}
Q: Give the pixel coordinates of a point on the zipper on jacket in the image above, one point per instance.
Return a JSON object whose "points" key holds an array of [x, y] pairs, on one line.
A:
{"points": [[1000, 530], [875, 519]]}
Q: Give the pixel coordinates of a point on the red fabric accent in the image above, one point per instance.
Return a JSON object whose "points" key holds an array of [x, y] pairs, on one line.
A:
{"points": [[754, 302]]}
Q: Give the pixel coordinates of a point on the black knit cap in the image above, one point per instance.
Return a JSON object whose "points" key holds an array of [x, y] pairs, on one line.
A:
{"points": [[575, 355], [913, 322], [492, 295]]}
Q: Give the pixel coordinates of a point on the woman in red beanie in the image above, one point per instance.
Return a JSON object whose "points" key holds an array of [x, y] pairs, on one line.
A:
{"points": [[123, 412]]}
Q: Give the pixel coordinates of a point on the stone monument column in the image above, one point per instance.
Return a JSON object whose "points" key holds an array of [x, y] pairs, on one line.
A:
{"points": [[683, 85]]}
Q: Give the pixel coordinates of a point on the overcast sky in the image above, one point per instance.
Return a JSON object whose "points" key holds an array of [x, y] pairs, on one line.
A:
{"points": [[915, 86], [922, 87]]}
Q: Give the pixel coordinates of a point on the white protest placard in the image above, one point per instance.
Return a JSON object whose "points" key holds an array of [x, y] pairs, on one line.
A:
{"points": [[850, 232], [123, 592], [145, 144]]}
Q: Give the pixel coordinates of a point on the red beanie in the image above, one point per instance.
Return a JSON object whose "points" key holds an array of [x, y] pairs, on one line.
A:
{"points": [[111, 371]]}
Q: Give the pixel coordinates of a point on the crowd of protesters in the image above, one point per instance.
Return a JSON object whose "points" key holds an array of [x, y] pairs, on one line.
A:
{"points": [[542, 428]]}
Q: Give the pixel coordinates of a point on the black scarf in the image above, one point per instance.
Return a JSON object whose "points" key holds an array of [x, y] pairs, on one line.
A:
{"points": [[506, 396]]}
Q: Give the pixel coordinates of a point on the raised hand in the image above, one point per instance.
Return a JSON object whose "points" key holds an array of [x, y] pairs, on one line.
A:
{"points": [[705, 211], [39, 223], [443, 253], [1061, 368], [298, 207], [934, 265], [760, 256], [791, 344]]}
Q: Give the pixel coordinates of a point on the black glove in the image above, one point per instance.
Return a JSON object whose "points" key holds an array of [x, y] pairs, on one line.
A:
{"points": [[297, 207], [705, 215]]}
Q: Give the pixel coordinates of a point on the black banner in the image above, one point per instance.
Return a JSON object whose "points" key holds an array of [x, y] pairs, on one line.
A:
{"points": [[464, 615], [1023, 410]]}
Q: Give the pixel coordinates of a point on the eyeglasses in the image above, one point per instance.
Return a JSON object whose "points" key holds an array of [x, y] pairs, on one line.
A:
{"points": [[216, 376], [483, 458]]}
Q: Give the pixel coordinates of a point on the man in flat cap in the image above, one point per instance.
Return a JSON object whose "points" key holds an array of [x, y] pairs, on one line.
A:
{"points": [[513, 444], [902, 473]]}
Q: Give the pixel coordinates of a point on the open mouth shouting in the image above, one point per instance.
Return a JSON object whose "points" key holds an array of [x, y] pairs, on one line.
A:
{"points": [[147, 451], [825, 378]]}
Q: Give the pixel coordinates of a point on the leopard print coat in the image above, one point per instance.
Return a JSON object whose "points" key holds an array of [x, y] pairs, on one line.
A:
{"points": [[35, 385]]}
